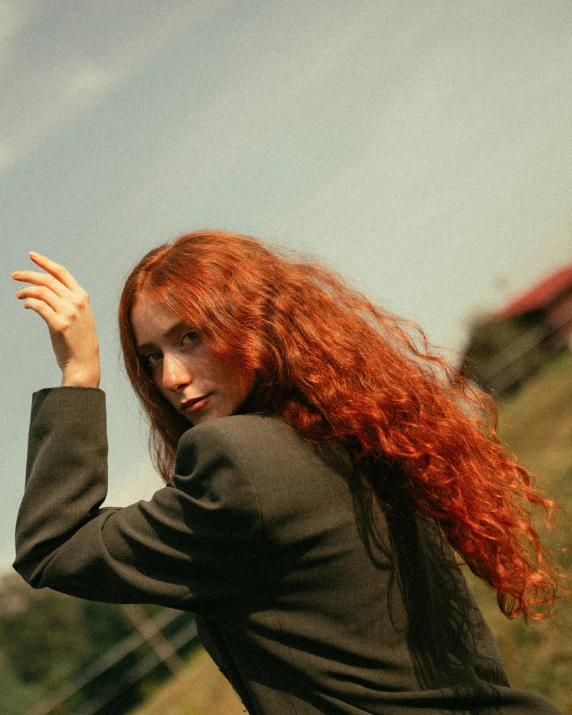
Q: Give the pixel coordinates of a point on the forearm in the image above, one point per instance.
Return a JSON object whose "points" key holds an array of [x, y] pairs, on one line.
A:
{"points": [[66, 473]]}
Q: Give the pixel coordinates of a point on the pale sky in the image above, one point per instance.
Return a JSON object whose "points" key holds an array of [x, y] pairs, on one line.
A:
{"points": [[423, 148]]}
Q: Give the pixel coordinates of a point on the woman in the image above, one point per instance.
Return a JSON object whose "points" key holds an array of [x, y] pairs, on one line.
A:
{"points": [[309, 513]]}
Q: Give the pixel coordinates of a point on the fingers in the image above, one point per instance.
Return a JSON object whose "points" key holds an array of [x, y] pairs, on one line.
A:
{"points": [[59, 272], [63, 304], [41, 293], [47, 305], [57, 277], [41, 279], [43, 309], [55, 295]]}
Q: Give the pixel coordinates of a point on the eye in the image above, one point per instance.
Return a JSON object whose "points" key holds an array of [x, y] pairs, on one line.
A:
{"points": [[190, 337], [151, 359]]}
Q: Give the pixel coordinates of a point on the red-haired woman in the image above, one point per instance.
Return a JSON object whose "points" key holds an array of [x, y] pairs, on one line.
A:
{"points": [[319, 466]]}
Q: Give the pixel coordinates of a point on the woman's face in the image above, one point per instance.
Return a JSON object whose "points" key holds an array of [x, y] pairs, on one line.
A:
{"points": [[198, 383]]}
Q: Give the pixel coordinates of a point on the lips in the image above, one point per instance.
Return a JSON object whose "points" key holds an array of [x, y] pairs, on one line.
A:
{"points": [[194, 404]]}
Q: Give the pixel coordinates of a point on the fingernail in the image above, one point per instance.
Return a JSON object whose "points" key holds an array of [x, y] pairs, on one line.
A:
{"points": [[33, 253]]}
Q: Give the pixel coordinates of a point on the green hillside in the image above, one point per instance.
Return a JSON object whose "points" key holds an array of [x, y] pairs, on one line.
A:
{"points": [[537, 425]]}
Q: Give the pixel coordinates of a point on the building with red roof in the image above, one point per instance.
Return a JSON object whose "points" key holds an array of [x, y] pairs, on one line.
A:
{"points": [[544, 296], [509, 346]]}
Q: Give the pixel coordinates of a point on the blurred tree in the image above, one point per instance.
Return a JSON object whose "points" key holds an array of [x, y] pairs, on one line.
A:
{"points": [[47, 637], [42, 633], [16, 698]]}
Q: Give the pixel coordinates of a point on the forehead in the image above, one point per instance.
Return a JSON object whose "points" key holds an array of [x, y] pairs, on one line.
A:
{"points": [[151, 320]]}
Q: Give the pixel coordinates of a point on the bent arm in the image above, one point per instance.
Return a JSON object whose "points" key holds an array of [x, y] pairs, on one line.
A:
{"points": [[191, 546]]}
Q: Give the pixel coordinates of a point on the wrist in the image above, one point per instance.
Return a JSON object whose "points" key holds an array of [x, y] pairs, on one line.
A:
{"points": [[80, 378]]}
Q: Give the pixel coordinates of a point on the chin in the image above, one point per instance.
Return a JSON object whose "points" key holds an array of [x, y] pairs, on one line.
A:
{"points": [[207, 417]]}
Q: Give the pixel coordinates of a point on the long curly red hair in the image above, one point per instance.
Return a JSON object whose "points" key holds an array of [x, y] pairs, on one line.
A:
{"points": [[340, 369]]}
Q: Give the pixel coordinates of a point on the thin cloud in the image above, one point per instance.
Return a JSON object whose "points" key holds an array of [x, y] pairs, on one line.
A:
{"points": [[14, 15], [53, 72]]}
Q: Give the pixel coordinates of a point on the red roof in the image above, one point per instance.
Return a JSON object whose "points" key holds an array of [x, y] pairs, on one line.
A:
{"points": [[540, 295]]}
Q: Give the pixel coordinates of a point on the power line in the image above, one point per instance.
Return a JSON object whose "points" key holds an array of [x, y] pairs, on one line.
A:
{"points": [[110, 658], [182, 637]]}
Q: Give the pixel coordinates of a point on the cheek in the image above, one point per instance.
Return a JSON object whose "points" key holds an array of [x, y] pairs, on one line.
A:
{"points": [[238, 381], [246, 382], [166, 394], [235, 380]]}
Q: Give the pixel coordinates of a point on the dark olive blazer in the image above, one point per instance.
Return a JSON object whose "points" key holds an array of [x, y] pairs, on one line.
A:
{"points": [[260, 533]]}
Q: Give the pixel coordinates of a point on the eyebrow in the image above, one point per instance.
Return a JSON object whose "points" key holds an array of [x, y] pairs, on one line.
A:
{"points": [[173, 330]]}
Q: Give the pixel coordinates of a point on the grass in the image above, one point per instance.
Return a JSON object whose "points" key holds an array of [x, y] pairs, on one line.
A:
{"points": [[198, 689], [536, 424]]}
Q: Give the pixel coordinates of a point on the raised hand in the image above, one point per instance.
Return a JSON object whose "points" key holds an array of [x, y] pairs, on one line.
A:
{"points": [[64, 305]]}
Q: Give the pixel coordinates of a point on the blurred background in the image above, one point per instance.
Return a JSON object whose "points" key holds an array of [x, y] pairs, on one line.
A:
{"points": [[423, 149]]}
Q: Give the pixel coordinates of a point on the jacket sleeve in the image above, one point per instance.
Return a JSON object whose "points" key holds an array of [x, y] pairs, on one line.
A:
{"points": [[193, 545]]}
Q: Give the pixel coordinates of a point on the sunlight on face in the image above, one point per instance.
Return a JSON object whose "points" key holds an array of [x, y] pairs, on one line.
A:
{"points": [[198, 383]]}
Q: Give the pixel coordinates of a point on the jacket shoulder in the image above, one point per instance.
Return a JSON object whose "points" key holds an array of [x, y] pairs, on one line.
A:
{"points": [[252, 437], [289, 475]]}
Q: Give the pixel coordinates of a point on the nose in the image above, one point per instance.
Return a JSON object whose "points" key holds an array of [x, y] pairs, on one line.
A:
{"points": [[176, 374]]}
